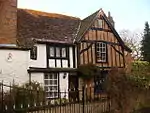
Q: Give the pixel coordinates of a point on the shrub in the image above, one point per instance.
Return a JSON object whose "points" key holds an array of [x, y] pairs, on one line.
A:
{"points": [[61, 101], [87, 71], [140, 68], [127, 92], [26, 95]]}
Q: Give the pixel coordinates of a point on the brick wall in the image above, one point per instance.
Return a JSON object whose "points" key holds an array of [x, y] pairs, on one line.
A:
{"points": [[8, 21]]}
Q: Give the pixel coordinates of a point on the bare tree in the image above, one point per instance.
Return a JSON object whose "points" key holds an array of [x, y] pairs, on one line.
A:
{"points": [[133, 41]]}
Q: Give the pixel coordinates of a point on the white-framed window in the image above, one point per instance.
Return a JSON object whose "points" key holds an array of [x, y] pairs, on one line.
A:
{"points": [[63, 52], [52, 52], [57, 52], [51, 85], [101, 52]]}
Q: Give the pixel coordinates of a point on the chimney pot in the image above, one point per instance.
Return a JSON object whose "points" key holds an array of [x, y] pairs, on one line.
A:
{"points": [[109, 14], [110, 18]]}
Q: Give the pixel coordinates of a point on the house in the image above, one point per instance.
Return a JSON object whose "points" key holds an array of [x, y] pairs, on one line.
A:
{"points": [[98, 43], [57, 45], [52, 58]]}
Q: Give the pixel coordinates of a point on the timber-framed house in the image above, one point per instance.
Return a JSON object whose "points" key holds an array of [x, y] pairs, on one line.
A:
{"points": [[59, 45], [98, 43]]}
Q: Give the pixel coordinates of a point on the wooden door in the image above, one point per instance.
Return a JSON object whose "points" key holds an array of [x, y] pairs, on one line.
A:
{"points": [[73, 87], [99, 82]]}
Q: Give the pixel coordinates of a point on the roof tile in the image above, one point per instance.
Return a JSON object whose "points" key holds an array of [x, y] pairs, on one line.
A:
{"points": [[42, 25]]}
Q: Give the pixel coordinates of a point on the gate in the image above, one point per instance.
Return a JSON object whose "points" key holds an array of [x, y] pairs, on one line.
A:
{"points": [[23, 100]]}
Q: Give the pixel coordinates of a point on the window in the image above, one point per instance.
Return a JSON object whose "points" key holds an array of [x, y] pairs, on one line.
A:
{"points": [[101, 52], [33, 53], [58, 52], [51, 85], [51, 51], [99, 22], [63, 52]]}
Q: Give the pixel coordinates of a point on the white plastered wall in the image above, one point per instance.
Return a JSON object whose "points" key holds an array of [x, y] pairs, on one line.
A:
{"points": [[41, 57], [13, 66], [63, 82]]}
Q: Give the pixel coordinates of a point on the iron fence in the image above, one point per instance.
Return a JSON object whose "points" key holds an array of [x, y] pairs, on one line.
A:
{"points": [[14, 99]]}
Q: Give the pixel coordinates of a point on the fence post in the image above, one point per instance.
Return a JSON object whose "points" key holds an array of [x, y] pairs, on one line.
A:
{"points": [[2, 98], [83, 98]]}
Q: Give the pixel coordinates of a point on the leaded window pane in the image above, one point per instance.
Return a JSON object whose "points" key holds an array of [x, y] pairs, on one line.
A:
{"points": [[101, 52], [57, 52], [51, 85], [63, 52], [99, 21], [51, 51]]}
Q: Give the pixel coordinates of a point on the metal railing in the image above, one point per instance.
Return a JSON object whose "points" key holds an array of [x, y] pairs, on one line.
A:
{"points": [[14, 99]]}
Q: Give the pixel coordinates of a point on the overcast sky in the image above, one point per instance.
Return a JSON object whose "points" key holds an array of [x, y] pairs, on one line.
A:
{"points": [[128, 14]]}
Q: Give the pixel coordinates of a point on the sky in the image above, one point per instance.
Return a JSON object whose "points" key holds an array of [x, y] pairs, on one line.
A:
{"points": [[127, 14]]}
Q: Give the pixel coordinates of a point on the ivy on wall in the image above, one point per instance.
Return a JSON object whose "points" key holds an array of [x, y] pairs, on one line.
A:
{"points": [[87, 71]]}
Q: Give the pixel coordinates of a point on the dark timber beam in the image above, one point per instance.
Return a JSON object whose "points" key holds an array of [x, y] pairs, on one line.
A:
{"points": [[95, 41], [86, 48], [116, 50], [123, 57], [100, 29]]}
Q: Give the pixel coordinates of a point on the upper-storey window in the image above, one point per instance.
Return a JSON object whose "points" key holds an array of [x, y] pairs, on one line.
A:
{"points": [[98, 23], [58, 52], [63, 52], [33, 53], [52, 52], [101, 52]]}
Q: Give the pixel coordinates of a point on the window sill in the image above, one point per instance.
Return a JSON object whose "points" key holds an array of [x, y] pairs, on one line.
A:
{"points": [[58, 58], [101, 61]]}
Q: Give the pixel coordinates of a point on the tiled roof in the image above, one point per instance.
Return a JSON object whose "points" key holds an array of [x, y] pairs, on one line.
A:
{"points": [[85, 24], [51, 27], [46, 26]]}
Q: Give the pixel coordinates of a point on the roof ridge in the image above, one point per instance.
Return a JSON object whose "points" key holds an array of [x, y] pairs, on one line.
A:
{"points": [[38, 12], [88, 21], [96, 12]]}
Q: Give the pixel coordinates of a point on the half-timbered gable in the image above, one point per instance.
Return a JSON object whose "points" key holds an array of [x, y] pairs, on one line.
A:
{"points": [[99, 43]]}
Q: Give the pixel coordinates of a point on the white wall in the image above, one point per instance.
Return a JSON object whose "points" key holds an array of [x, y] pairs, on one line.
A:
{"points": [[41, 57], [15, 68], [75, 57], [63, 84], [71, 56]]}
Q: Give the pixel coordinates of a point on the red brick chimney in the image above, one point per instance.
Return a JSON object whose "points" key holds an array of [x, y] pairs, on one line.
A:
{"points": [[110, 18], [8, 21]]}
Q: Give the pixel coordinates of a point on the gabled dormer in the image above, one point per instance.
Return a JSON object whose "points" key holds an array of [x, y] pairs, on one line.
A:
{"points": [[99, 43]]}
